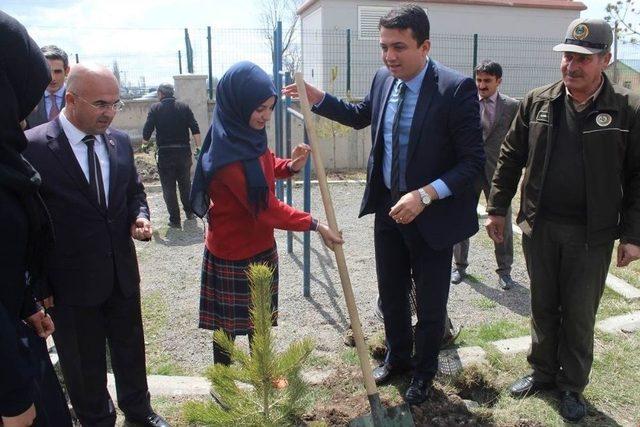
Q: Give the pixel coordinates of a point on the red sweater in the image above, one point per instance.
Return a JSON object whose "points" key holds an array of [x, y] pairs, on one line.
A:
{"points": [[234, 232]]}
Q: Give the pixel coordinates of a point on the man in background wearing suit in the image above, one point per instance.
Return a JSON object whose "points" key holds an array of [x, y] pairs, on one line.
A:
{"points": [[53, 100], [496, 114], [426, 154], [97, 204]]}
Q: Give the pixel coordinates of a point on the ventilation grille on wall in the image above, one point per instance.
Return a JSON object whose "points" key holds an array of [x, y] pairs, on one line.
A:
{"points": [[368, 19]]}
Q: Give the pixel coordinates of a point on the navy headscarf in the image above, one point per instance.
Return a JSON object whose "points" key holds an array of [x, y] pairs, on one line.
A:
{"points": [[242, 89], [24, 75]]}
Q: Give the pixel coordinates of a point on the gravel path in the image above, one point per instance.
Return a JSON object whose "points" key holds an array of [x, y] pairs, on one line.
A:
{"points": [[170, 270]]}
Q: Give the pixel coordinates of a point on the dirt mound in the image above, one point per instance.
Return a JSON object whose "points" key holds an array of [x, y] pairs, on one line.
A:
{"points": [[147, 167], [347, 403]]}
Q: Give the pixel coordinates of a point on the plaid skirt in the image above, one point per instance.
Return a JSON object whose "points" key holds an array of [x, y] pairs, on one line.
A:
{"points": [[225, 296]]}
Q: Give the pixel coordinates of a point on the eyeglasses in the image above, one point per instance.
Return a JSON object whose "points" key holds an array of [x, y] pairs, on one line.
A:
{"points": [[100, 105]]}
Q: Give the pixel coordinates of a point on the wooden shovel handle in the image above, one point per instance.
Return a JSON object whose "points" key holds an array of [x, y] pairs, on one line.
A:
{"points": [[361, 347]]}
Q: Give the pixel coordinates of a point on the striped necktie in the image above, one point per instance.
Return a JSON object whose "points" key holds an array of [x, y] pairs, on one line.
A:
{"points": [[54, 111], [95, 171], [395, 144]]}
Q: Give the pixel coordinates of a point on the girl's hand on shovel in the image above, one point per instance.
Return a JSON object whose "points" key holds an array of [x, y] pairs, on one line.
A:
{"points": [[329, 237]]}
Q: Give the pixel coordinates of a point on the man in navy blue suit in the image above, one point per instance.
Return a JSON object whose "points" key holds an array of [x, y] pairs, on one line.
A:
{"points": [[97, 205], [426, 153]]}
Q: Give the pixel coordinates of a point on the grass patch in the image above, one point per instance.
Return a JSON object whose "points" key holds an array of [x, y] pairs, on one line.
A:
{"points": [[170, 407], [154, 320], [613, 304], [615, 379], [612, 395], [485, 303], [318, 361], [482, 335], [350, 357]]}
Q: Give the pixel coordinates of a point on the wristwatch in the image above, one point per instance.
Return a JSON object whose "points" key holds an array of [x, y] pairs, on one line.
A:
{"points": [[424, 196]]}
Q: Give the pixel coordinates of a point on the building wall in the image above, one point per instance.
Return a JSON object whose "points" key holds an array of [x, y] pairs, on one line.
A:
{"points": [[626, 76], [521, 39], [132, 118], [341, 147]]}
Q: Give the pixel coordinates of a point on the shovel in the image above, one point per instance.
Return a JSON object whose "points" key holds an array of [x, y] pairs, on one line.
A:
{"points": [[380, 416]]}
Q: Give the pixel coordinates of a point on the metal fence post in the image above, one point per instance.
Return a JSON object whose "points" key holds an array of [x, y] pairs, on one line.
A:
{"points": [[306, 277], [189, 51], [287, 138], [277, 79], [348, 63], [475, 54], [77, 59], [210, 63], [615, 53]]}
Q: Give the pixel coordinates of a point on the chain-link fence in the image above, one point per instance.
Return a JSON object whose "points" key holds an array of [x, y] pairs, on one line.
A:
{"points": [[334, 60], [345, 65]]}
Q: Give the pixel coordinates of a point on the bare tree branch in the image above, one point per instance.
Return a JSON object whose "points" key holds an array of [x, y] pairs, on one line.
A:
{"points": [[272, 11], [627, 14]]}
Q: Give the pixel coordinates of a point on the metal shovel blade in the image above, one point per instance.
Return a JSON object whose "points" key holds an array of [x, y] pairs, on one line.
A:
{"points": [[397, 416]]}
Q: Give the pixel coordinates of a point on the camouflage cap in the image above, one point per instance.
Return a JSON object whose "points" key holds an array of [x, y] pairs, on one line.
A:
{"points": [[587, 36]]}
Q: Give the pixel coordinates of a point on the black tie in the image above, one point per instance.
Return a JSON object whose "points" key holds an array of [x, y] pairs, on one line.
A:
{"points": [[95, 171], [395, 144]]}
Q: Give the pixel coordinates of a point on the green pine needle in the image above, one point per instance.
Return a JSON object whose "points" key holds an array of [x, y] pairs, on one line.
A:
{"points": [[257, 402]]}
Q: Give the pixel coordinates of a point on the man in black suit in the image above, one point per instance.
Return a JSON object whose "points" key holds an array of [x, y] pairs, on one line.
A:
{"points": [[426, 154], [53, 100], [97, 204]]}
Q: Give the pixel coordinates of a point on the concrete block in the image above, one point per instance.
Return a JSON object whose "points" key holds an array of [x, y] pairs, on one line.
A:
{"points": [[452, 360], [627, 323], [513, 345], [618, 285]]}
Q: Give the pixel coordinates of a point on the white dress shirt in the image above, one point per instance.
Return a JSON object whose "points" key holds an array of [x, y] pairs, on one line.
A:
{"points": [[75, 135]]}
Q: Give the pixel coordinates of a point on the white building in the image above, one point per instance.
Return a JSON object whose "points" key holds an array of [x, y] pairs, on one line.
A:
{"points": [[519, 34]]}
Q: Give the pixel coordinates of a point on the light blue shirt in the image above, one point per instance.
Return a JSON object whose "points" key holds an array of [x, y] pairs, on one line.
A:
{"points": [[59, 94], [404, 127]]}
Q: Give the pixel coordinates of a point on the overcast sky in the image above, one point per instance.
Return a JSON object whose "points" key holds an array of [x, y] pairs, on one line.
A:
{"points": [[145, 35]]}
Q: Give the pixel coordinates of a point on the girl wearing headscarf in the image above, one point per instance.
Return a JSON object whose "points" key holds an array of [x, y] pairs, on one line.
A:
{"points": [[234, 186], [29, 389]]}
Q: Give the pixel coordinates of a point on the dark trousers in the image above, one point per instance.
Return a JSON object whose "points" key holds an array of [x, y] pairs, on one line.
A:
{"points": [[401, 254], [222, 357], [80, 337], [174, 166], [503, 251], [50, 403], [567, 280]]}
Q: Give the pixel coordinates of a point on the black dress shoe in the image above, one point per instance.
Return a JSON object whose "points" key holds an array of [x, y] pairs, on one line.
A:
{"points": [[152, 420], [385, 372], [418, 391], [506, 282], [527, 385], [457, 275], [572, 407]]}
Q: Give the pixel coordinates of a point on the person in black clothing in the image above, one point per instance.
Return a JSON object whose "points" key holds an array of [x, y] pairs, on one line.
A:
{"points": [[172, 121], [30, 393]]}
